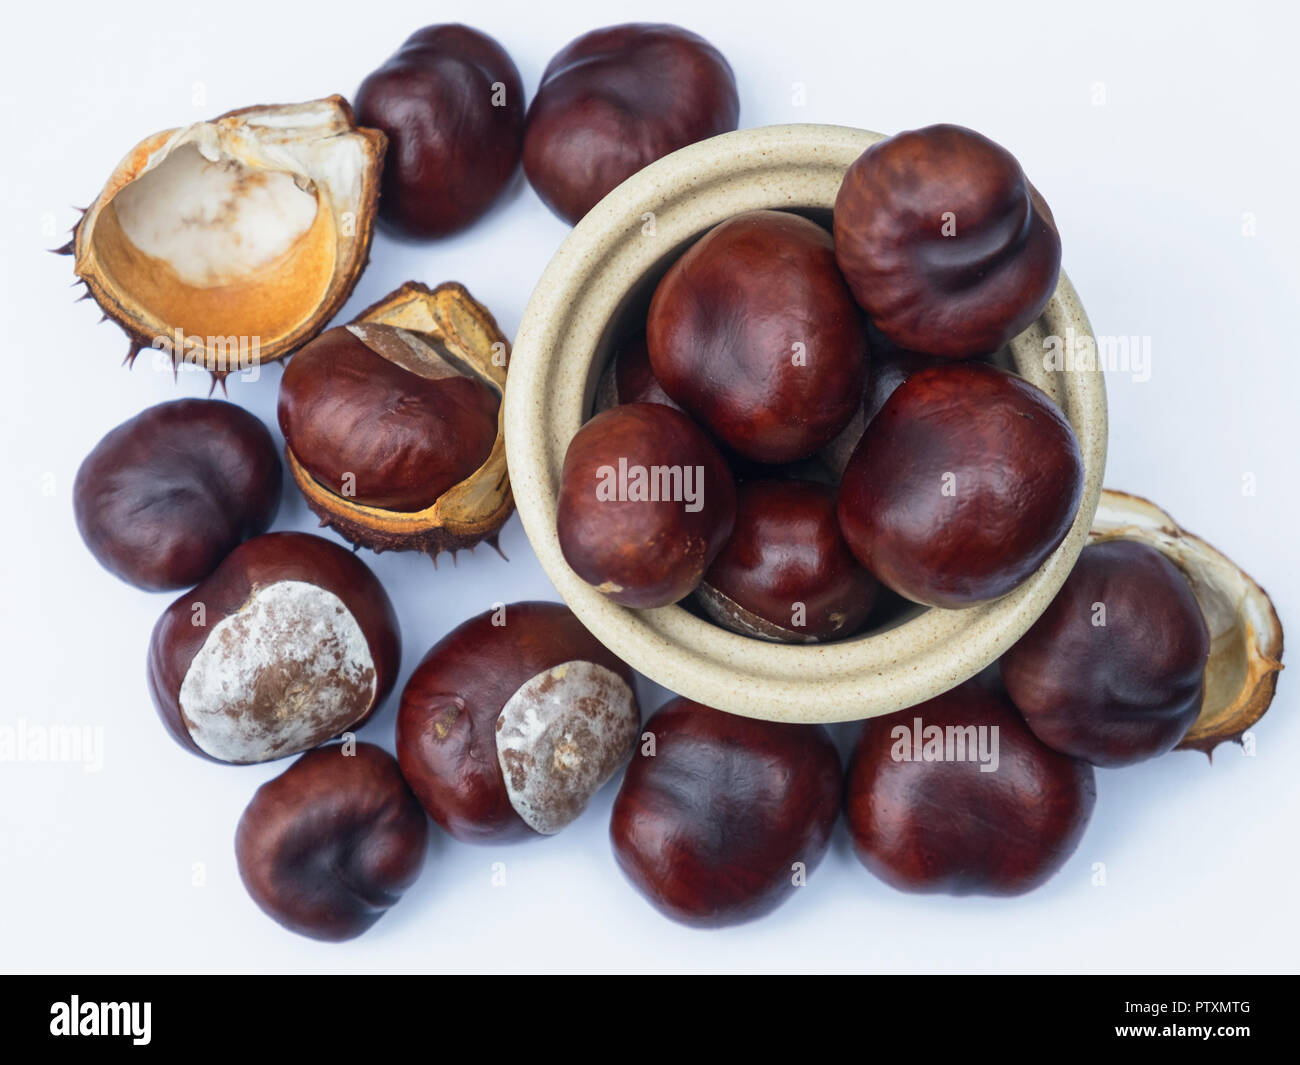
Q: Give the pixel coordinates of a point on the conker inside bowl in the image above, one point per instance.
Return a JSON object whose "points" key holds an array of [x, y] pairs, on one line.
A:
{"points": [[593, 297]]}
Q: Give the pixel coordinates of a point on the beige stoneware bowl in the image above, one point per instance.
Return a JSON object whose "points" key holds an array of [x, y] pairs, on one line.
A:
{"points": [[590, 297]]}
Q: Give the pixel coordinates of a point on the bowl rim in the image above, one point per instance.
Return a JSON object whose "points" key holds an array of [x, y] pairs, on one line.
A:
{"points": [[549, 391]]}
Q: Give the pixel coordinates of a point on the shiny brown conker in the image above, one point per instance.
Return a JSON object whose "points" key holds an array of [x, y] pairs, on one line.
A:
{"points": [[786, 574], [754, 332], [290, 641], [328, 846], [962, 485], [1113, 672], [616, 99], [956, 795], [452, 105], [165, 496], [629, 378], [646, 503], [376, 414], [944, 241], [721, 817], [513, 721]]}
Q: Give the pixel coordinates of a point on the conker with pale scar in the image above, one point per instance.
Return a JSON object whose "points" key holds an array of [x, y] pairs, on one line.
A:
{"points": [[328, 846], [165, 496], [513, 721], [289, 642], [721, 820], [1113, 672]]}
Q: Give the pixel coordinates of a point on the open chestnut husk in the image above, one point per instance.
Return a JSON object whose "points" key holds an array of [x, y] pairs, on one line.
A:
{"points": [[646, 503], [957, 795], [232, 242], [329, 846], [1113, 671], [786, 574], [165, 496], [754, 332], [452, 105], [944, 241], [962, 485], [616, 99], [513, 721], [290, 641], [393, 427], [723, 817]]}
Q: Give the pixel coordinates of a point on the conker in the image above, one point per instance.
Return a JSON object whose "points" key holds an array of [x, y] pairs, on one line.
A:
{"points": [[754, 332], [165, 496], [629, 378], [290, 641], [956, 795], [786, 573], [1113, 671], [452, 105], [375, 413], [962, 485], [944, 241], [615, 100], [332, 842], [646, 503], [720, 817], [513, 721]]}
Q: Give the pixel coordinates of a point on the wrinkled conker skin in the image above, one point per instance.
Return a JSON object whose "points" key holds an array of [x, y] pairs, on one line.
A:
{"points": [[613, 101], [1113, 672], [786, 573], [629, 378], [447, 725], [643, 552], [167, 495], [962, 485], [332, 842], [451, 102], [944, 241], [710, 827], [289, 642], [945, 825], [754, 332], [368, 427]]}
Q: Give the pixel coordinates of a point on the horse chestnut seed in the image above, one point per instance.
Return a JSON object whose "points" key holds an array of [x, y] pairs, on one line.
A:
{"points": [[332, 842], [452, 105], [646, 503], [290, 641], [1113, 672], [944, 241], [956, 795], [786, 573], [962, 485], [723, 816], [754, 332], [165, 496], [615, 100], [628, 378], [513, 721]]}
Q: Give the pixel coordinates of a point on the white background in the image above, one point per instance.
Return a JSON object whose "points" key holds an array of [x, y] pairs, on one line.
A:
{"points": [[1150, 187]]}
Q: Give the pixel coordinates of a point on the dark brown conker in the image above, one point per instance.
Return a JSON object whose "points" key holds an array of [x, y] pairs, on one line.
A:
{"points": [[616, 99], [167, 495], [513, 721], [944, 241], [289, 642], [786, 573], [1113, 672], [374, 413], [646, 503], [934, 804], [962, 485], [328, 846], [629, 378], [754, 332], [723, 816], [452, 105]]}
